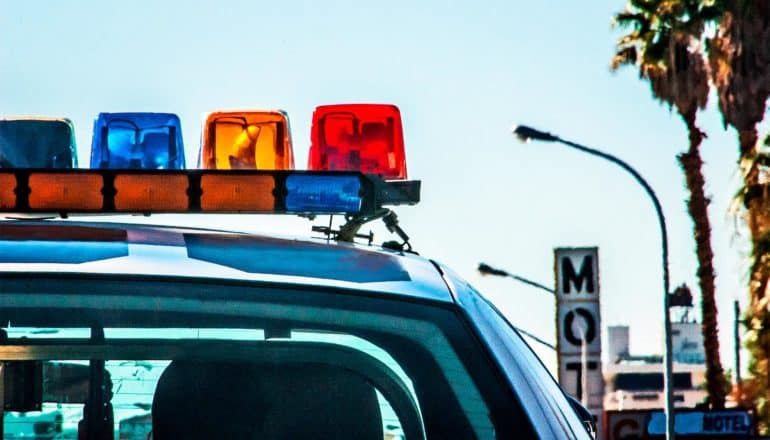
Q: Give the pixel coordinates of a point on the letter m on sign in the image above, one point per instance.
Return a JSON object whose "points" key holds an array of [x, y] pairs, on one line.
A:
{"points": [[576, 271]]}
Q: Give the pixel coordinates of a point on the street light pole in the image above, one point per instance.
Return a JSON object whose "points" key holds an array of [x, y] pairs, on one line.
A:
{"points": [[737, 346], [527, 133], [535, 338]]}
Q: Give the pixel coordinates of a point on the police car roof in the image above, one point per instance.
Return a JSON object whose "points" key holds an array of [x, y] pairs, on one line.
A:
{"points": [[135, 249]]}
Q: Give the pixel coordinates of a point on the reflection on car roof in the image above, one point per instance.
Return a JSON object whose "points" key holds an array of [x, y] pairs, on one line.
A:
{"points": [[82, 247]]}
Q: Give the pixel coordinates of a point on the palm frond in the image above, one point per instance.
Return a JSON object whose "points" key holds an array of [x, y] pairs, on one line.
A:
{"points": [[655, 51], [669, 11], [631, 39], [625, 56], [648, 6], [627, 20]]}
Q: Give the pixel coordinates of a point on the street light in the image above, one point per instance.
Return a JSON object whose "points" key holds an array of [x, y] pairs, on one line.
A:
{"points": [[528, 133], [486, 269]]}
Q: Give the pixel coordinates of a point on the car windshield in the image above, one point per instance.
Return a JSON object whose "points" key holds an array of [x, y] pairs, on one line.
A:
{"points": [[151, 358]]}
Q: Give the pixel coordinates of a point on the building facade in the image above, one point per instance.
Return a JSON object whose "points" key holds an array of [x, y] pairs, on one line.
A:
{"points": [[636, 382]]}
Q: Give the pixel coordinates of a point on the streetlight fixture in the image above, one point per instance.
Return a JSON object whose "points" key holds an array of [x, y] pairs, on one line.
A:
{"points": [[526, 134], [486, 269]]}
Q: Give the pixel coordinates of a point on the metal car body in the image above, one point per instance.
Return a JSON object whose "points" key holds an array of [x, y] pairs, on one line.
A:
{"points": [[81, 275]]}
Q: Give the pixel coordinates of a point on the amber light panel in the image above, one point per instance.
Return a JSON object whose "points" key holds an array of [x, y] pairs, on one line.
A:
{"points": [[233, 193], [7, 196], [358, 137], [255, 140], [61, 192], [151, 192]]}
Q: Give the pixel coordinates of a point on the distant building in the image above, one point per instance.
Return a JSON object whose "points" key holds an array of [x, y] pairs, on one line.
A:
{"points": [[636, 382]]}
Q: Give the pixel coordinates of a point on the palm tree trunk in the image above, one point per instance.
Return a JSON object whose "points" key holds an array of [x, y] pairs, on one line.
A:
{"points": [[697, 206], [748, 141]]}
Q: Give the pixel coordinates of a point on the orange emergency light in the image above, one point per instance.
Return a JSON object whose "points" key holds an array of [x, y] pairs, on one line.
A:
{"points": [[358, 137], [254, 140]]}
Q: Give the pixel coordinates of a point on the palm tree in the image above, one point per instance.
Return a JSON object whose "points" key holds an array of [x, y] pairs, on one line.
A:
{"points": [[664, 43], [739, 56]]}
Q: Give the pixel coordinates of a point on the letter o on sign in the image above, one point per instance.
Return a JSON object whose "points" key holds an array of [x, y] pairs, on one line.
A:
{"points": [[590, 330]]}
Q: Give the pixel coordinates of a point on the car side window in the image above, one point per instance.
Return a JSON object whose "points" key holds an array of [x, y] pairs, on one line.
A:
{"points": [[535, 387]]}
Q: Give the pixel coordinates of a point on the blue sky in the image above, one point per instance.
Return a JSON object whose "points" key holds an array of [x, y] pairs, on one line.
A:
{"points": [[462, 73]]}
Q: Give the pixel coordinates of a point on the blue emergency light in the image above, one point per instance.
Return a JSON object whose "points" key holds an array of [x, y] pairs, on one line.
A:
{"points": [[37, 142], [323, 194], [150, 141]]}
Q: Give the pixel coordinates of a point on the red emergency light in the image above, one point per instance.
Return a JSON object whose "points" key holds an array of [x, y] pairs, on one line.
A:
{"points": [[358, 137]]}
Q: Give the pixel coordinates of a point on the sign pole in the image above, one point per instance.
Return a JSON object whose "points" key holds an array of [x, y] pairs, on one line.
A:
{"points": [[584, 369], [737, 346]]}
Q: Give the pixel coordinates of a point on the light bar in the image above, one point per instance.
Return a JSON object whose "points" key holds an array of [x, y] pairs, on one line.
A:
{"points": [[106, 191], [358, 137], [150, 141], [255, 140], [37, 142]]}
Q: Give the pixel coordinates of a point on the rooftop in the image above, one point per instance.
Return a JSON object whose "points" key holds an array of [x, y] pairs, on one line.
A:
{"points": [[132, 249]]}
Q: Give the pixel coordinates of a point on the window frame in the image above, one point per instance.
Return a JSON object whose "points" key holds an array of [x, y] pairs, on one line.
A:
{"points": [[444, 315]]}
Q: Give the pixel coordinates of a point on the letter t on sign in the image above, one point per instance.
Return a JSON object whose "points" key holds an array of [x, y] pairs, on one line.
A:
{"points": [[578, 368]]}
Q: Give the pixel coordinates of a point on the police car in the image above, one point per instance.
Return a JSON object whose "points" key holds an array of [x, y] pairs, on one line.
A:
{"points": [[123, 329]]}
